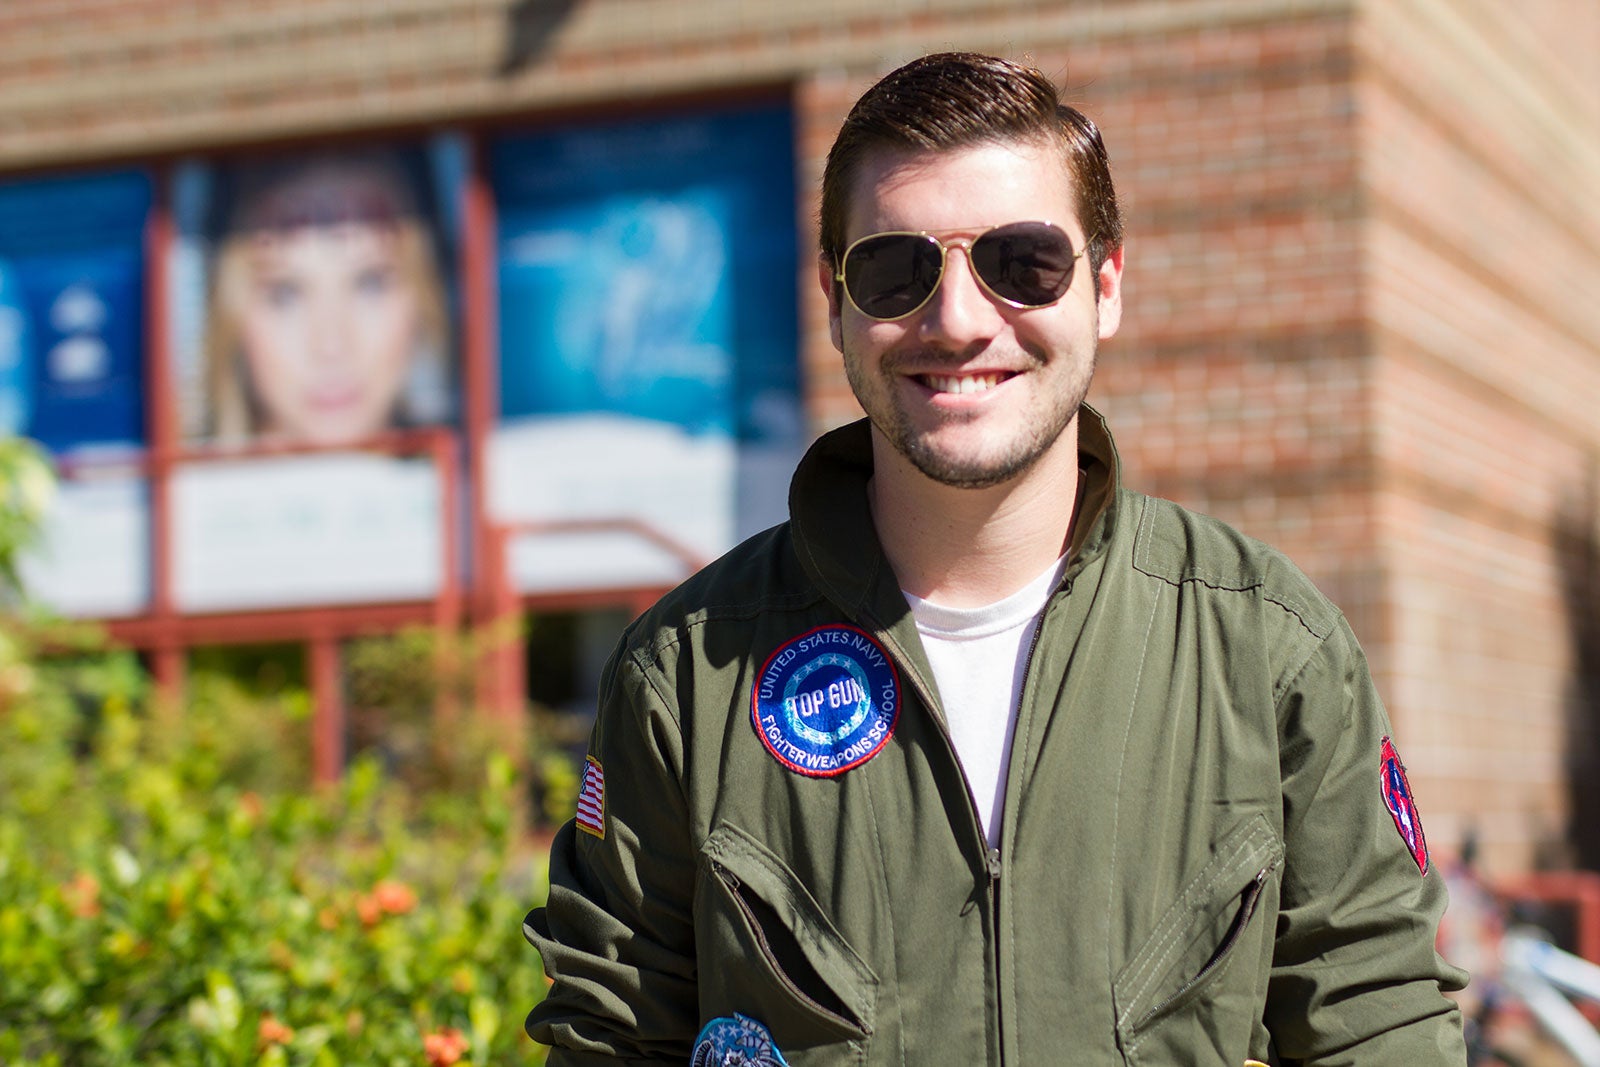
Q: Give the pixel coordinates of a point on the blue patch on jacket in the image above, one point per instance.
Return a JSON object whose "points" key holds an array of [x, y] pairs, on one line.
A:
{"points": [[826, 701]]}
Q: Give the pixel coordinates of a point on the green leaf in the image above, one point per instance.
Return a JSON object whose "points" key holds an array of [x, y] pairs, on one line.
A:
{"points": [[124, 868], [224, 1001], [484, 1016]]}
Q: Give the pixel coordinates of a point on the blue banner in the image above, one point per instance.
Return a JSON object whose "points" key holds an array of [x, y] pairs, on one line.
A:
{"points": [[72, 309], [647, 269]]}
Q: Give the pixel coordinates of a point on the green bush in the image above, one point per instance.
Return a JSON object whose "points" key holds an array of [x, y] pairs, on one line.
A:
{"points": [[26, 489], [173, 892]]}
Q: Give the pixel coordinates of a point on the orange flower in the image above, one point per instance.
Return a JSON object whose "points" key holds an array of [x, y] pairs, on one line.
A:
{"points": [[82, 895], [272, 1032], [444, 1047], [387, 898], [328, 918], [250, 805], [396, 898]]}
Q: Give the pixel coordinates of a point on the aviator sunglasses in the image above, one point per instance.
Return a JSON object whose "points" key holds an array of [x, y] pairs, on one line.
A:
{"points": [[888, 276]]}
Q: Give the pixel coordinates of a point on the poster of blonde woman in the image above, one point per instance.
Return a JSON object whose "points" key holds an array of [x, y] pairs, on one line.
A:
{"points": [[312, 308]]}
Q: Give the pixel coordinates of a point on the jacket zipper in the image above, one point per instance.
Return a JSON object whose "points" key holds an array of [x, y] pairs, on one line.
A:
{"points": [[991, 856], [994, 853], [944, 731]]}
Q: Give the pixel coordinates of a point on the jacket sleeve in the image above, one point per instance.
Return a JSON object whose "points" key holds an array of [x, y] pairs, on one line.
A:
{"points": [[616, 932], [1356, 981]]}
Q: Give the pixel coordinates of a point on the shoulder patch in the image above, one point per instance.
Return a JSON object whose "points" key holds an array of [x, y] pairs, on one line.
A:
{"points": [[591, 816], [1402, 805], [827, 701], [736, 1041]]}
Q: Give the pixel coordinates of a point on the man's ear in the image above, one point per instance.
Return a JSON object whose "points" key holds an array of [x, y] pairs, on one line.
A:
{"points": [[1108, 293], [833, 290]]}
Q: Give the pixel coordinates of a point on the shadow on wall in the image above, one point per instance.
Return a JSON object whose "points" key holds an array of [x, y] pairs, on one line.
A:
{"points": [[529, 26], [1577, 545]]}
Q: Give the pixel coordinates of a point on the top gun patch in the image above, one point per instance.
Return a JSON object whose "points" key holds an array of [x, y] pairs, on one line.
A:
{"points": [[1402, 805], [826, 701]]}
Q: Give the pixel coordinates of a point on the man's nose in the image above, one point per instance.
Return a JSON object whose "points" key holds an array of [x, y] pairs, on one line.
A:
{"points": [[960, 313]]}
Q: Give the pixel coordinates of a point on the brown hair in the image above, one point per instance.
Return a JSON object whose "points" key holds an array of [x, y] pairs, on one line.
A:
{"points": [[960, 99]]}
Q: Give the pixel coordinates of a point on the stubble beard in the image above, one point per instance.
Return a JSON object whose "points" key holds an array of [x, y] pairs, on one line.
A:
{"points": [[1043, 428]]}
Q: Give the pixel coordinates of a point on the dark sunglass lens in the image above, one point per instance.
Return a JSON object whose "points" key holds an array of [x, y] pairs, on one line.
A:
{"points": [[1027, 263], [891, 275]]}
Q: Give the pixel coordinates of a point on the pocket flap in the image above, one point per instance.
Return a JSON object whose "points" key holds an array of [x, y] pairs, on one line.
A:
{"points": [[1196, 931], [800, 947]]}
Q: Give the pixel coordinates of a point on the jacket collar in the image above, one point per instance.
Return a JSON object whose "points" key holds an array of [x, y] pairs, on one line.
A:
{"points": [[838, 546]]}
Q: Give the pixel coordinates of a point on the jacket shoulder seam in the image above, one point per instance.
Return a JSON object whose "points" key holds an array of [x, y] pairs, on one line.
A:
{"points": [[1195, 573], [648, 676], [1283, 687]]}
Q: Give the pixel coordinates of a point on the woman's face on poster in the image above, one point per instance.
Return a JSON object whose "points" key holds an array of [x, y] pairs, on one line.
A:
{"points": [[329, 318]]}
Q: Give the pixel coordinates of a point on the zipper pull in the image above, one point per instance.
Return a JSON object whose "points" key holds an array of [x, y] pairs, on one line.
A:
{"points": [[729, 879], [993, 862]]}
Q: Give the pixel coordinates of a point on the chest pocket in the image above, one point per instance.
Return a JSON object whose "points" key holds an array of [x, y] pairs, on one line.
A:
{"points": [[1174, 991], [767, 950]]}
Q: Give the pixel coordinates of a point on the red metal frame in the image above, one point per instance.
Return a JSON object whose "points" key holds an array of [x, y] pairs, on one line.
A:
{"points": [[503, 681], [162, 433], [480, 376], [1579, 890]]}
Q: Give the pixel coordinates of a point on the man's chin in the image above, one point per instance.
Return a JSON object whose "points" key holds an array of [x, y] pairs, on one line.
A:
{"points": [[959, 471]]}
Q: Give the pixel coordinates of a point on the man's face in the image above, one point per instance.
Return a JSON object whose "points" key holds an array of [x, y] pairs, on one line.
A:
{"points": [[969, 389]]}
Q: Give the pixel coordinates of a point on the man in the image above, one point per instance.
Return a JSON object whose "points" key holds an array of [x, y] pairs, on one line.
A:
{"points": [[982, 758]]}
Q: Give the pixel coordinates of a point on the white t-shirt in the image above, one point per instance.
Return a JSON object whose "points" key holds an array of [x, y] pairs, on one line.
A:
{"points": [[978, 656]]}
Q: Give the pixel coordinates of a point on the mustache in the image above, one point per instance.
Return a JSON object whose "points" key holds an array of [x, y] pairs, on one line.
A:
{"points": [[933, 359]]}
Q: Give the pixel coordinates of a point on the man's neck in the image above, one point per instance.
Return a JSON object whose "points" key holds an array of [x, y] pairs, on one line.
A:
{"points": [[970, 547]]}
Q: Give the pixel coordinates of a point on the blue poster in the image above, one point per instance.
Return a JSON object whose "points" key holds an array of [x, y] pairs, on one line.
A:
{"points": [[649, 380], [72, 309], [627, 302], [647, 269]]}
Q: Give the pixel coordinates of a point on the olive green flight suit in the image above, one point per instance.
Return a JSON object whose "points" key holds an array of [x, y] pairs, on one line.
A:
{"points": [[1197, 863]]}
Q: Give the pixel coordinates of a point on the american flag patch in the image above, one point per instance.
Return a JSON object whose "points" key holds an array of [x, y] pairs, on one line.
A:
{"points": [[592, 799]]}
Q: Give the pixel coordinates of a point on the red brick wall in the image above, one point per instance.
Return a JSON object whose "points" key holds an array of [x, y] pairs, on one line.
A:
{"points": [[1481, 162], [1361, 266], [1360, 325]]}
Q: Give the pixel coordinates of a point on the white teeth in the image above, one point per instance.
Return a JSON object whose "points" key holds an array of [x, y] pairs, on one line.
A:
{"points": [[968, 383]]}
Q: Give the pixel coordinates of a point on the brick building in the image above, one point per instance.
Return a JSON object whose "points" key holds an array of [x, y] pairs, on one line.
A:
{"points": [[1362, 260]]}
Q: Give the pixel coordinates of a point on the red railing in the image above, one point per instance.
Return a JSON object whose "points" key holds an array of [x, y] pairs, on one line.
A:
{"points": [[167, 632], [1577, 890], [492, 601], [503, 680]]}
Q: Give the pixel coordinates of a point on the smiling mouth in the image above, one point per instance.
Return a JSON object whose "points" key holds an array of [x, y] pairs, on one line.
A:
{"points": [[963, 383]]}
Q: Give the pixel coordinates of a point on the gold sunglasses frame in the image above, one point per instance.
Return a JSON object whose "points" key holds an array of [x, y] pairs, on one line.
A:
{"points": [[965, 244]]}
